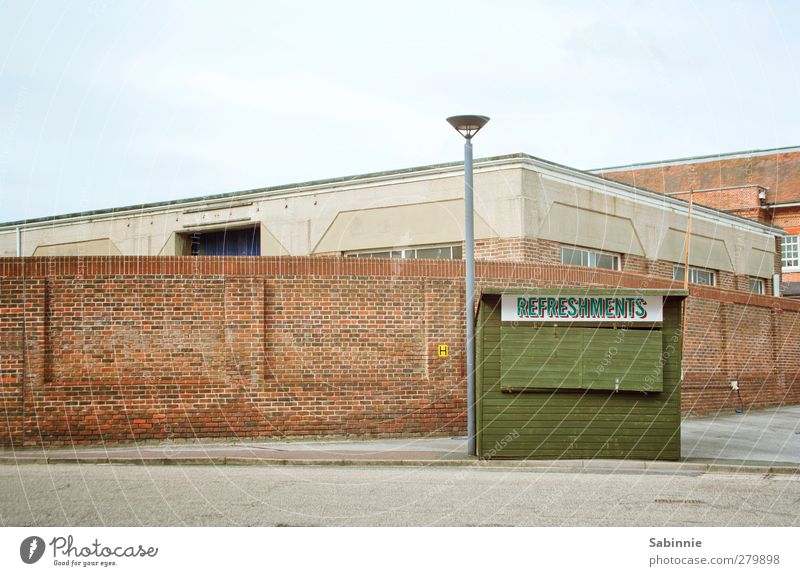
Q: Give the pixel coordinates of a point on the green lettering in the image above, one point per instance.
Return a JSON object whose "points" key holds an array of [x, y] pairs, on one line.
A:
{"points": [[522, 307], [573, 308], [640, 311], [584, 307]]}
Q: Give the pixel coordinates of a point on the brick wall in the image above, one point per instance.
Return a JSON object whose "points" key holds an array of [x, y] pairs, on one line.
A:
{"points": [[541, 251], [787, 218], [118, 349], [779, 173], [518, 250], [743, 201], [548, 252], [731, 184]]}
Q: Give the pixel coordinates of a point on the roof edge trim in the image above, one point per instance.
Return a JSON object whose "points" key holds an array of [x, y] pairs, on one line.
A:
{"points": [[698, 159]]}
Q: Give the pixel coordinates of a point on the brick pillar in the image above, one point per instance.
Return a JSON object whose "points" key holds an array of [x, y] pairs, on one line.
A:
{"points": [[778, 363], [244, 330], [33, 382], [12, 360]]}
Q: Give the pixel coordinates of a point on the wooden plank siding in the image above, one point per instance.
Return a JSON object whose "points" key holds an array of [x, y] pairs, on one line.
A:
{"points": [[577, 357], [548, 421]]}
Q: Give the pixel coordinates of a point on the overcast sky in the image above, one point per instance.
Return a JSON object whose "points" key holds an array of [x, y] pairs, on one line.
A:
{"points": [[106, 103]]}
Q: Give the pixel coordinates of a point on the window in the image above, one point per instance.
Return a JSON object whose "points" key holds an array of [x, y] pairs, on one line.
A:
{"points": [[756, 285], [230, 242], [790, 252], [452, 252], [593, 259], [696, 275]]}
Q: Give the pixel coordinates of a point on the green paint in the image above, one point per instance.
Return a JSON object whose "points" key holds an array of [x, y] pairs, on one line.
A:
{"points": [[570, 409], [522, 307], [572, 307]]}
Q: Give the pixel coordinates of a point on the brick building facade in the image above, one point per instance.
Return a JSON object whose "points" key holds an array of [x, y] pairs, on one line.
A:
{"points": [[136, 323], [762, 185]]}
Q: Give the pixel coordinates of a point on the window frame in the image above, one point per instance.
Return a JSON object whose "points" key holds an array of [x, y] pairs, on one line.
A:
{"points": [[591, 257], [753, 281], [795, 240], [408, 252], [189, 242], [693, 277]]}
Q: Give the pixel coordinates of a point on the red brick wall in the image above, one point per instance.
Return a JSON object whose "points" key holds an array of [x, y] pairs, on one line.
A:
{"points": [[518, 250], [117, 349], [779, 173], [726, 342], [787, 218], [742, 200], [540, 251], [548, 252]]}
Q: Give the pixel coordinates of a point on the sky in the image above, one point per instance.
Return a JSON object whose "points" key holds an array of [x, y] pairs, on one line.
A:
{"points": [[109, 103]]}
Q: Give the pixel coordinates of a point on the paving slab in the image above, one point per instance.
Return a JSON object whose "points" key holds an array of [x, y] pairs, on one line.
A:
{"points": [[760, 441], [767, 437]]}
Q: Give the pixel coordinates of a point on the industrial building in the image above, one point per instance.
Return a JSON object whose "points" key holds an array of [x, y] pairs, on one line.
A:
{"points": [[762, 185], [336, 307], [526, 210]]}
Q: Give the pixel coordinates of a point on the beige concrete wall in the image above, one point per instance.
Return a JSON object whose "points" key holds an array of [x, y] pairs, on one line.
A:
{"points": [[297, 224], [513, 199], [102, 246], [400, 226], [588, 215]]}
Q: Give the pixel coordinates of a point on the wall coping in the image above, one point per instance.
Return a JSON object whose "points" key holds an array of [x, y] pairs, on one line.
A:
{"points": [[42, 267]]}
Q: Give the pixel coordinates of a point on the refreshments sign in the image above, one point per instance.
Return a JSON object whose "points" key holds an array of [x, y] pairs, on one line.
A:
{"points": [[568, 308]]}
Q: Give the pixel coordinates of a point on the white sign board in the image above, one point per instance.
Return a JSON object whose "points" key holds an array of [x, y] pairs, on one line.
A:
{"points": [[570, 308]]}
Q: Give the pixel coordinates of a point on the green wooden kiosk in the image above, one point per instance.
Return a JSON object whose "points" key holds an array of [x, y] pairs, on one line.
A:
{"points": [[579, 373]]}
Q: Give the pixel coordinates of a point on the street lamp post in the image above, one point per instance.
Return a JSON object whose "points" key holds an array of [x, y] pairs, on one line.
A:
{"points": [[468, 126]]}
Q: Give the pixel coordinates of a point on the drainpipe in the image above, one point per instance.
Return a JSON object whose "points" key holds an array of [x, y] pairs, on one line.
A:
{"points": [[688, 243], [19, 242]]}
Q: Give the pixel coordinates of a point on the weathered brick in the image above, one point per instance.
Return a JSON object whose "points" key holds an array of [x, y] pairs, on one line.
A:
{"points": [[104, 351]]}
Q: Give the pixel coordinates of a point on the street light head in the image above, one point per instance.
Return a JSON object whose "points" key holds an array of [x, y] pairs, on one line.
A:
{"points": [[468, 125]]}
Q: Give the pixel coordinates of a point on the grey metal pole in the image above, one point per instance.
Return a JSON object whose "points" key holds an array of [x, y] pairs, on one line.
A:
{"points": [[468, 125], [469, 263]]}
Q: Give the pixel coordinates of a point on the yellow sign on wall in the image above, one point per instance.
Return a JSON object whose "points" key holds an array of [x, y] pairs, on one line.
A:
{"points": [[443, 350]]}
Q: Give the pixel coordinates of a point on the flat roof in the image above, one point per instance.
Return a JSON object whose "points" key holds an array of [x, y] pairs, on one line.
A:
{"points": [[309, 186], [699, 159], [252, 191]]}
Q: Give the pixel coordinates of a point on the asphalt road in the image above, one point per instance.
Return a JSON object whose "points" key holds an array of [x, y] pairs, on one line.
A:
{"points": [[119, 495]]}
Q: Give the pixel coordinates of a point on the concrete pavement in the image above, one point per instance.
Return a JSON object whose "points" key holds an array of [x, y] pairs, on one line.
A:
{"points": [[120, 495], [763, 441], [770, 436], [411, 482]]}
